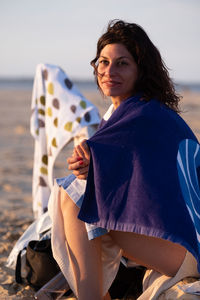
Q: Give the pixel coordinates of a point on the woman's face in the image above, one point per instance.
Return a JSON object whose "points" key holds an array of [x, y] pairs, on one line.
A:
{"points": [[117, 72]]}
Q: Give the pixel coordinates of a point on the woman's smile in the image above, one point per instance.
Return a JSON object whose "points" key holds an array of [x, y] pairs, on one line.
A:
{"points": [[111, 83]]}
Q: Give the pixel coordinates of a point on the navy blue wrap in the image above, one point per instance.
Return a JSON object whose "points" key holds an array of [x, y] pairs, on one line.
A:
{"points": [[133, 183]]}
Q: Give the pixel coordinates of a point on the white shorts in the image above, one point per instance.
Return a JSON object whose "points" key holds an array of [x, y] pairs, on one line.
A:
{"points": [[155, 283]]}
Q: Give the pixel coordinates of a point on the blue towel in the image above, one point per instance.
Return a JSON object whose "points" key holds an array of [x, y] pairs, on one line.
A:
{"points": [[133, 182]]}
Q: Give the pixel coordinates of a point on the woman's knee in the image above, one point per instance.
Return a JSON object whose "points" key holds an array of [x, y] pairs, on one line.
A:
{"points": [[66, 203]]}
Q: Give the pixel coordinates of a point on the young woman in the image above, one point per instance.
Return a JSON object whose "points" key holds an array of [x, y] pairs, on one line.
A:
{"points": [[133, 190]]}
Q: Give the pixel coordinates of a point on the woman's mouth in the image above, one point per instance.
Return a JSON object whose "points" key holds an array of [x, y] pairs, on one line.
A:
{"points": [[111, 83]]}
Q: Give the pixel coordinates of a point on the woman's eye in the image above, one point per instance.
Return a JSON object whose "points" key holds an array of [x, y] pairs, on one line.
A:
{"points": [[122, 63], [103, 62]]}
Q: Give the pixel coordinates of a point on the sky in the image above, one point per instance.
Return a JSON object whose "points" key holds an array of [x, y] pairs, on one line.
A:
{"points": [[65, 33]]}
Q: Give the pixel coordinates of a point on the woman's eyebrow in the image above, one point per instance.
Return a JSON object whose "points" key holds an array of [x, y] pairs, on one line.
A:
{"points": [[103, 56], [121, 57]]}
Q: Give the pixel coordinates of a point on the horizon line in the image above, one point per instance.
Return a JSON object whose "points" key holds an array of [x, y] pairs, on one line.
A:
{"points": [[29, 78]]}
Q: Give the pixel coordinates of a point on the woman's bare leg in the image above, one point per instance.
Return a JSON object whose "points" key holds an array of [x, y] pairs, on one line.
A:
{"points": [[154, 253], [158, 254], [85, 254]]}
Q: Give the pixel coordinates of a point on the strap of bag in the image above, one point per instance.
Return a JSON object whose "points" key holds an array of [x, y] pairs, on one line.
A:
{"points": [[54, 288]]}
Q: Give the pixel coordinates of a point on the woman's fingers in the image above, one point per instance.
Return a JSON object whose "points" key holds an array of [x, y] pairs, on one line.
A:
{"points": [[77, 165], [83, 150], [73, 159], [79, 151], [74, 152], [81, 171], [79, 161], [84, 176]]}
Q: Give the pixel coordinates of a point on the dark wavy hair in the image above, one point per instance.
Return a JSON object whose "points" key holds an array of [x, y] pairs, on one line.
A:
{"points": [[153, 77]]}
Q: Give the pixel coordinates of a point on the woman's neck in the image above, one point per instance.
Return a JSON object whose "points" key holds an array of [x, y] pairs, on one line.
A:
{"points": [[118, 100]]}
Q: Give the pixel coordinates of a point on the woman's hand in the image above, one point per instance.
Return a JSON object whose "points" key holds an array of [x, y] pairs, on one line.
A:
{"points": [[79, 161]]}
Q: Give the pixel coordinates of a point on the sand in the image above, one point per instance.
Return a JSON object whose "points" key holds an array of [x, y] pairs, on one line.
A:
{"points": [[16, 156]]}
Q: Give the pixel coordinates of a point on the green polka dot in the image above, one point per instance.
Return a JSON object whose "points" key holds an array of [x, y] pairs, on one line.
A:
{"points": [[43, 171], [37, 132], [55, 122], [68, 126], [42, 100], [54, 143], [78, 120], [83, 104], [41, 111], [50, 88], [45, 159], [49, 111]]}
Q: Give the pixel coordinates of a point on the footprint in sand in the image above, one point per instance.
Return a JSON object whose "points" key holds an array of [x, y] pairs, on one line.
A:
{"points": [[9, 188], [19, 130]]}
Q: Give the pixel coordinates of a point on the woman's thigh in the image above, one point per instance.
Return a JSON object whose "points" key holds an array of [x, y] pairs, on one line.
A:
{"points": [[154, 253], [84, 255]]}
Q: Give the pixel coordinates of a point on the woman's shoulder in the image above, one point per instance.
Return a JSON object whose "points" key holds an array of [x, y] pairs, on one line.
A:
{"points": [[165, 119]]}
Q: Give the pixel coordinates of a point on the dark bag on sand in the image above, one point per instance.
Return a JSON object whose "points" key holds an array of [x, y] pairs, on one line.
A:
{"points": [[40, 264]]}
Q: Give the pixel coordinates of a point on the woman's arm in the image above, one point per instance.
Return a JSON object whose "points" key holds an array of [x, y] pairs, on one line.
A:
{"points": [[79, 161]]}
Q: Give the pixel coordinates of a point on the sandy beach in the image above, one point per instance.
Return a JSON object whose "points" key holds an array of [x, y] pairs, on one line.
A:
{"points": [[16, 156]]}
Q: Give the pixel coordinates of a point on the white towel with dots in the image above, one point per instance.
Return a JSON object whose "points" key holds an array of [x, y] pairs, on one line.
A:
{"points": [[59, 112]]}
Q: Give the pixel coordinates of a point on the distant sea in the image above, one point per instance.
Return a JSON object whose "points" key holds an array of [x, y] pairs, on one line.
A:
{"points": [[82, 85], [27, 84]]}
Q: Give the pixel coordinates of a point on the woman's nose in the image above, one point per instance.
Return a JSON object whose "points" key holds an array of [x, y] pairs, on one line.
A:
{"points": [[110, 69]]}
